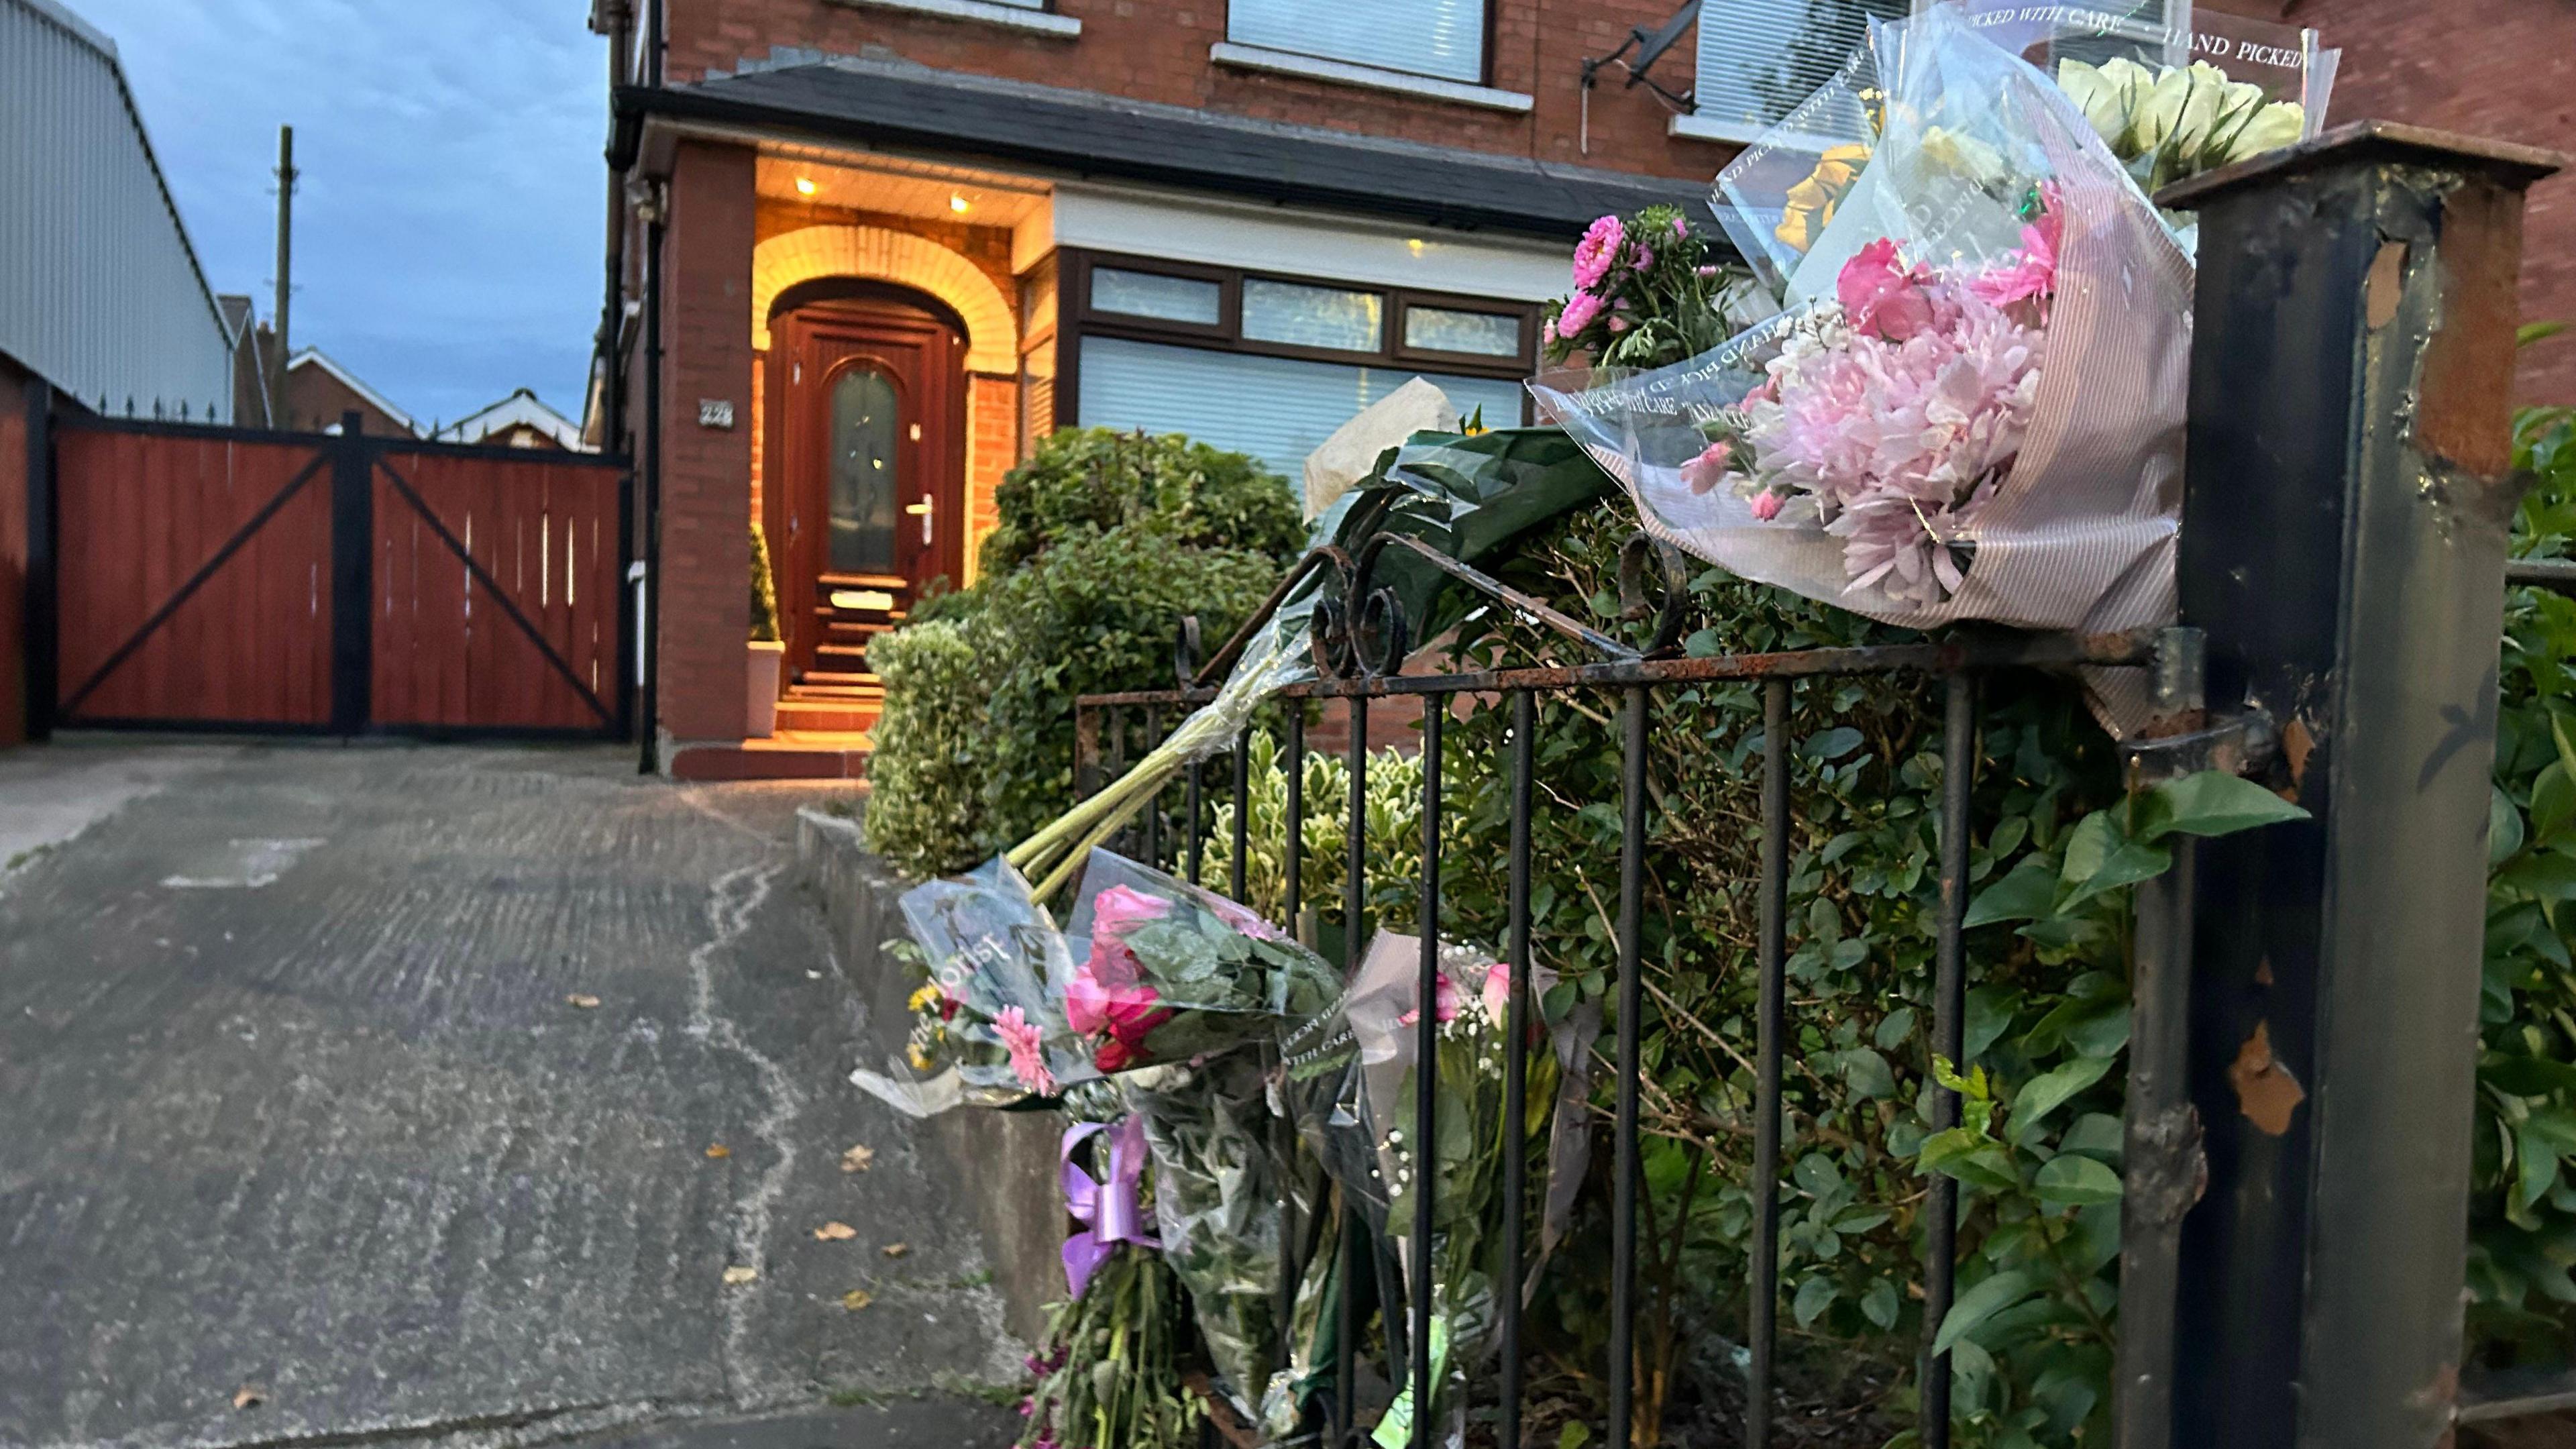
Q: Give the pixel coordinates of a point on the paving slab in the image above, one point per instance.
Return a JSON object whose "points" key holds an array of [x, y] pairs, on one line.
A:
{"points": [[422, 1093]]}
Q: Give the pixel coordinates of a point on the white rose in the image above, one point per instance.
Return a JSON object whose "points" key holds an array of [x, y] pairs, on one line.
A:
{"points": [[2096, 96], [2276, 125]]}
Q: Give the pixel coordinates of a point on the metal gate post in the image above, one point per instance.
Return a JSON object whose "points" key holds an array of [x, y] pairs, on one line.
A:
{"points": [[39, 616], [2343, 545], [353, 550]]}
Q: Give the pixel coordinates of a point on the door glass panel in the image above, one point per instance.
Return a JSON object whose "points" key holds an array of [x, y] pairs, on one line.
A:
{"points": [[863, 472]]}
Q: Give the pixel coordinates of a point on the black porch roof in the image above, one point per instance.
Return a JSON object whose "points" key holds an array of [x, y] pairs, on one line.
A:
{"points": [[1088, 135]]}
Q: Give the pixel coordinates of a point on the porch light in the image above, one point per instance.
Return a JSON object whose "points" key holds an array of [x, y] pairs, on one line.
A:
{"points": [[804, 185], [957, 202]]}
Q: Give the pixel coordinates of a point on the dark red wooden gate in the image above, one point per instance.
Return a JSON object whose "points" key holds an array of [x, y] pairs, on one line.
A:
{"points": [[217, 578]]}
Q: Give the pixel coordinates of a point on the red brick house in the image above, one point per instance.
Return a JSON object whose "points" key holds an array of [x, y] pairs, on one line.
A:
{"points": [[863, 252]]}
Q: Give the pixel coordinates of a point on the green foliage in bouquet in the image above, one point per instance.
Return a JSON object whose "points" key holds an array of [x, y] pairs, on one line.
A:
{"points": [[975, 749], [2522, 1214], [1112, 1371], [1094, 480]]}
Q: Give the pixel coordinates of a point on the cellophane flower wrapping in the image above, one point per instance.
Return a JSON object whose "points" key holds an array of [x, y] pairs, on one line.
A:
{"points": [[1972, 408], [1220, 1177], [1350, 1081], [1160, 971], [996, 961]]}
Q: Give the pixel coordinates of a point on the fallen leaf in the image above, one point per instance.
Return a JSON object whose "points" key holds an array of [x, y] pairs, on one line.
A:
{"points": [[737, 1276], [583, 999], [718, 1149], [856, 1299], [835, 1232], [897, 1250], [249, 1396], [858, 1159]]}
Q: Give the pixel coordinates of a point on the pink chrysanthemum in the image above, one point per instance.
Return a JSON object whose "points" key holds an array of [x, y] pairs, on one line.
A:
{"points": [[1579, 312], [1597, 252]]}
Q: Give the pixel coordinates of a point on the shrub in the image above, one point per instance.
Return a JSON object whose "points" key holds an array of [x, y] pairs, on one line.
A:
{"points": [[1084, 481], [764, 589], [1107, 541], [925, 772]]}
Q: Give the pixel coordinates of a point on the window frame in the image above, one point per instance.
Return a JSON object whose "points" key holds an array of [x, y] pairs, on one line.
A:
{"points": [[1077, 320], [1484, 50], [1703, 125]]}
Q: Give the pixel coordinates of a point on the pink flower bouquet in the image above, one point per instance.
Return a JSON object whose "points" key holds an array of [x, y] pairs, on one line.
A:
{"points": [[1164, 971], [1970, 407]]}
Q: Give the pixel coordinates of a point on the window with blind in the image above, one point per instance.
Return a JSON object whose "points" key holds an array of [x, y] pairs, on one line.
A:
{"points": [[1759, 58], [1443, 38], [1278, 409]]}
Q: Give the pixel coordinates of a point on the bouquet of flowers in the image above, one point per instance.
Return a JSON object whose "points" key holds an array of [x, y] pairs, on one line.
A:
{"points": [[1972, 407], [1649, 289], [1357, 1070], [1219, 1179]]}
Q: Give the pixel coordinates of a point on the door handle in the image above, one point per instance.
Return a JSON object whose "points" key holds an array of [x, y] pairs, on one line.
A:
{"points": [[922, 510]]}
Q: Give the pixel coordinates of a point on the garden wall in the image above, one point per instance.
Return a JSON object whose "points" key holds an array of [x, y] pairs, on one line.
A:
{"points": [[1016, 1207]]}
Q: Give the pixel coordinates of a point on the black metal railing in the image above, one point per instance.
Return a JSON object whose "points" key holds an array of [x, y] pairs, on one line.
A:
{"points": [[1359, 643]]}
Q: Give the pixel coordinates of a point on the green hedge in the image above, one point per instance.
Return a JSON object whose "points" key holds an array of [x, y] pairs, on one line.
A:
{"points": [[1085, 481], [1107, 541]]}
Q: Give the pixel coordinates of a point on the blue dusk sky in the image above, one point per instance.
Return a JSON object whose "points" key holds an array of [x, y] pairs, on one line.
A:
{"points": [[449, 224]]}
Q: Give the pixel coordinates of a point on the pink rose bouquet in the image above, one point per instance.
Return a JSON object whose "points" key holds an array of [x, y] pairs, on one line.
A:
{"points": [[1164, 971]]}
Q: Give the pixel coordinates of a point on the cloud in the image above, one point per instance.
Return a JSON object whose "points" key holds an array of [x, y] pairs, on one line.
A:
{"points": [[448, 227]]}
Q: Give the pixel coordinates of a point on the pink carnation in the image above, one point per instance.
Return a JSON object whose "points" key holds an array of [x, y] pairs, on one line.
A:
{"points": [[1597, 252], [1706, 471], [1028, 1050], [2030, 271], [1681, 229], [1881, 295], [1766, 505], [1579, 312]]}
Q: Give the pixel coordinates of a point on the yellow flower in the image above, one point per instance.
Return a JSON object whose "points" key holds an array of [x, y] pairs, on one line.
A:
{"points": [[923, 999], [1810, 204], [920, 1059]]}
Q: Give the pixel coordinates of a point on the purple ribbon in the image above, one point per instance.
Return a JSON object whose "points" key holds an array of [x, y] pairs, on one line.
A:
{"points": [[1109, 1212]]}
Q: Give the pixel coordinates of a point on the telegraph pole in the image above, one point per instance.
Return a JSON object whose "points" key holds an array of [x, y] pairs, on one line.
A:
{"points": [[286, 174]]}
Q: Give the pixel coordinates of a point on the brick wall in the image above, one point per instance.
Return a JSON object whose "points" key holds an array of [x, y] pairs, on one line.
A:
{"points": [[1157, 50], [315, 400], [13, 553], [2499, 68], [706, 472]]}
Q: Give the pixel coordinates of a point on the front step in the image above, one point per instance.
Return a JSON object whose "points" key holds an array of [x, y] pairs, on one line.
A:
{"points": [[802, 712]]}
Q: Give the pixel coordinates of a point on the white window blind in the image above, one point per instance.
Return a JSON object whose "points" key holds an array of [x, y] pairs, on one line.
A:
{"points": [[1759, 58], [1444, 38], [1277, 409]]}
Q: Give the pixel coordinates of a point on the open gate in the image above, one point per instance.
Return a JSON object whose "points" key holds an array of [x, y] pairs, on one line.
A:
{"points": [[211, 578]]}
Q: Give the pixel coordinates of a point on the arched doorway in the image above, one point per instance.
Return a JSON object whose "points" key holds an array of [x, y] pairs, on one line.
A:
{"points": [[863, 485]]}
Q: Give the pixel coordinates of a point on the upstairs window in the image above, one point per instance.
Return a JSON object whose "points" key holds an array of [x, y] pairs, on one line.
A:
{"points": [[1759, 58], [1442, 38]]}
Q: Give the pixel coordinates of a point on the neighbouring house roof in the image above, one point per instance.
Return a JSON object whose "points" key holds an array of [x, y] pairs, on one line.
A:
{"points": [[237, 313], [1087, 134], [101, 291], [315, 357], [521, 409]]}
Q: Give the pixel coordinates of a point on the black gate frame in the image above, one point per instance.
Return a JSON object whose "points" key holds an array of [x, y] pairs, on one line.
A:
{"points": [[353, 458]]}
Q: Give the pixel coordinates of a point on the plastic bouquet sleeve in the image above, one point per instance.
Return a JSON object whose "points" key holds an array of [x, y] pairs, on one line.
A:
{"points": [[1977, 411], [1353, 1074], [996, 959], [1218, 1182]]}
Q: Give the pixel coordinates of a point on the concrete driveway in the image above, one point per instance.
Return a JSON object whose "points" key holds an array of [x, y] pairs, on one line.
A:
{"points": [[429, 1094]]}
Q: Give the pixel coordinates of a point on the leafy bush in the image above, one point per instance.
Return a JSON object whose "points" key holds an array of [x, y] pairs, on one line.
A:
{"points": [[1093, 480], [2522, 1215], [1111, 540]]}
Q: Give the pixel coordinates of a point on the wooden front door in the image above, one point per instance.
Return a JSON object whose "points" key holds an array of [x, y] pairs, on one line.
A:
{"points": [[867, 503]]}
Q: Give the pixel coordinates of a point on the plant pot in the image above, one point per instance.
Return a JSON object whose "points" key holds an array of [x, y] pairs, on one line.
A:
{"points": [[760, 718]]}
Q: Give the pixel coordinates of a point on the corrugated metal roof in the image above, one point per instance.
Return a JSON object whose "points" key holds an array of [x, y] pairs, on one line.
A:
{"points": [[101, 292]]}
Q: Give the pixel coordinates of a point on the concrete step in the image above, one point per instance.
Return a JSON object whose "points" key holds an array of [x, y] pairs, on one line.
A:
{"points": [[790, 754]]}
